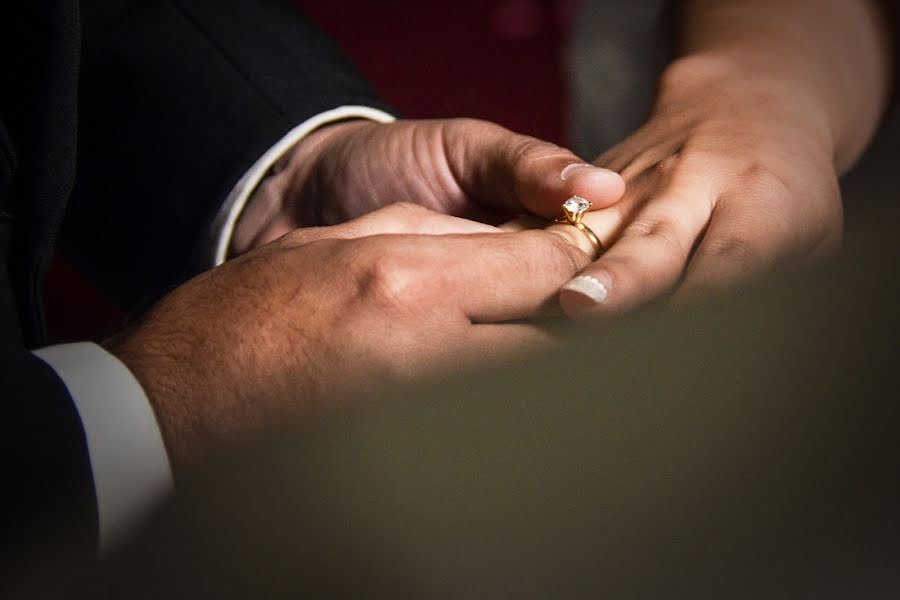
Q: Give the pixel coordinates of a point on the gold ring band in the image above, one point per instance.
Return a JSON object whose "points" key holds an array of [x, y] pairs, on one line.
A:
{"points": [[591, 236], [574, 210], [599, 248]]}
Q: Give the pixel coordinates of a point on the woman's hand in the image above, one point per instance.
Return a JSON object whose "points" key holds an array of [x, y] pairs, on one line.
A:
{"points": [[736, 169], [725, 180], [460, 167]]}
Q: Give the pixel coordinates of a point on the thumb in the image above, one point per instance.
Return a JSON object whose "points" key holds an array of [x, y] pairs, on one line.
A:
{"points": [[514, 173]]}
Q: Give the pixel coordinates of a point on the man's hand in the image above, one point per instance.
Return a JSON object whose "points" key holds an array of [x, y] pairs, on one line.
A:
{"points": [[461, 167], [325, 311]]}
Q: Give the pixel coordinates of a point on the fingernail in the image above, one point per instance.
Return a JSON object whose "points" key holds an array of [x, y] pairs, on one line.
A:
{"points": [[569, 168], [594, 288], [566, 173]]}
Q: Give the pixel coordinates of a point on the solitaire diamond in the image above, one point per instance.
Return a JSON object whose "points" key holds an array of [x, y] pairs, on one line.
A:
{"points": [[576, 205]]}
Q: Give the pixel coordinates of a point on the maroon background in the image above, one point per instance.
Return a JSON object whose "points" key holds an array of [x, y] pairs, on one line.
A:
{"points": [[493, 59]]}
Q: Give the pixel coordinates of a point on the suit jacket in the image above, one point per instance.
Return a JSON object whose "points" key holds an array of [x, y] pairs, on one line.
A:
{"points": [[123, 124]]}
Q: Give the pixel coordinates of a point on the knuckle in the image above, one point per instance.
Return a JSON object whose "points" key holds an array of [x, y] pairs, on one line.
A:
{"points": [[670, 164], [808, 212], [393, 279], [759, 178], [734, 249], [658, 229]]}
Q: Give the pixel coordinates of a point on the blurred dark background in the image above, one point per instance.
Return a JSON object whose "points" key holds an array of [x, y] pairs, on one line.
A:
{"points": [[577, 73]]}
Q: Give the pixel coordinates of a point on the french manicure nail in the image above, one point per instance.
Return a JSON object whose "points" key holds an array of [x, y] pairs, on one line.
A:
{"points": [[591, 287]]}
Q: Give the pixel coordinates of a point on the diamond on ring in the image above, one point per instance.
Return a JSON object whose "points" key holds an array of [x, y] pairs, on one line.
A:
{"points": [[575, 208], [576, 205]]}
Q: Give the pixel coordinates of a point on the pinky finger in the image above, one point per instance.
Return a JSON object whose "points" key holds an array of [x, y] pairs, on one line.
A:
{"points": [[733, 250]]}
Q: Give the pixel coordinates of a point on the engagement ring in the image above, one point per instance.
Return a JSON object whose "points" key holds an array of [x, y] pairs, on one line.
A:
{"points": [[574, 210]]}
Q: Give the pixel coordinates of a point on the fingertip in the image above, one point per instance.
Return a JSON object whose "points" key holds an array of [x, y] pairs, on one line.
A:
{"points": [[545, 184], [584, 295], [576, 306], [601, 186]]}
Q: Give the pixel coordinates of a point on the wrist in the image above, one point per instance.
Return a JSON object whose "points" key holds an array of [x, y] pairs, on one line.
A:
{"points": [[290, 196], [151, 367], [724, 87]]}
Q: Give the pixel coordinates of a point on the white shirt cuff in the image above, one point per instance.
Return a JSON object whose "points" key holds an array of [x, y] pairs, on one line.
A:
{"points": [[223, 225], [127, 454]]}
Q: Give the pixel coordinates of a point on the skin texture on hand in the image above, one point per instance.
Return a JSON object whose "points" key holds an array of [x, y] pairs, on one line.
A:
{"points": [[322, 312], [462, 167], [736, 170]]}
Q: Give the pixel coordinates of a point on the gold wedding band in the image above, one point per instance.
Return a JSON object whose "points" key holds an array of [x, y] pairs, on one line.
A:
{"points": [[574, 210], [591, 236]]}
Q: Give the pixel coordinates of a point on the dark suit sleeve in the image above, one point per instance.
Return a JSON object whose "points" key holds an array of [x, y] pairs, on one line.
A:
{"points": [[48, 501], [178, 98]]}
